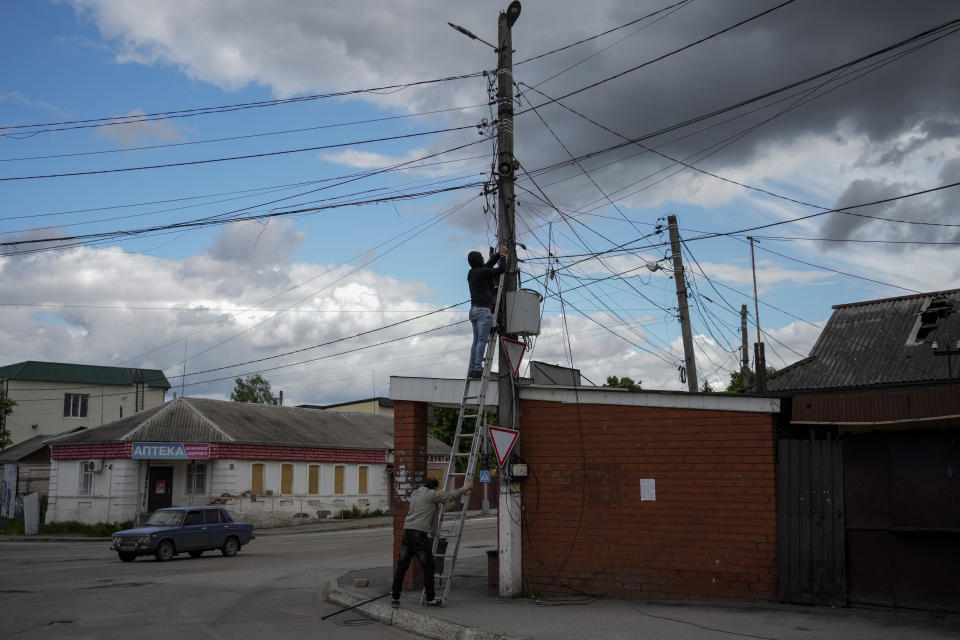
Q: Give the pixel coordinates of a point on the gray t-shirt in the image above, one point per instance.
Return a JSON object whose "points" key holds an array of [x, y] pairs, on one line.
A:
{"points": [[424, 503]]}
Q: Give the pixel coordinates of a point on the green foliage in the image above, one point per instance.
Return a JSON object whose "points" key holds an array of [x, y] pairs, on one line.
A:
{"points": [[706, 388], [6, 408], [356, 512], [445, 427], [736, 380], [622, 383], [70, 527], [255, 389]]}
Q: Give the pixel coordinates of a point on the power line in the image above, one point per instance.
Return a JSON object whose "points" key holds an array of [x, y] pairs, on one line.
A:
{"points": [[186, 113], [248, 156], [667, 55], [600, 35], [244, 137]]}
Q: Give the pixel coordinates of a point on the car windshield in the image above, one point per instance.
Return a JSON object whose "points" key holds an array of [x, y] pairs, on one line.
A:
{"points": [[165, 518]]}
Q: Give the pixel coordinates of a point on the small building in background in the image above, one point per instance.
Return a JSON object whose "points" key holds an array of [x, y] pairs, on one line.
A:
{"points": [[378, 405], [53, 397], [869, 462], [269, 465]]}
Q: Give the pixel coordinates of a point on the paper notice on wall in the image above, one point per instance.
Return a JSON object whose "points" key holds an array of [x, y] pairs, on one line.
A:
{"points": [[648, 489]]}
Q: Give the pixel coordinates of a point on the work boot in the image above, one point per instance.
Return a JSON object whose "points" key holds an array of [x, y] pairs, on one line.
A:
{"points": [[436, 602]]}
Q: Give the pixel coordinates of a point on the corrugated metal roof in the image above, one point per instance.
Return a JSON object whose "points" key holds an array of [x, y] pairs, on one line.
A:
{"points": [[204, 420], [879, 342], [23, 449], [82, 373]]}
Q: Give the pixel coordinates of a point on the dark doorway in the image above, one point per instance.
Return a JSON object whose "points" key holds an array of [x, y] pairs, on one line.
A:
{"points": [[810, 516], [903, 518], [159, 488]]}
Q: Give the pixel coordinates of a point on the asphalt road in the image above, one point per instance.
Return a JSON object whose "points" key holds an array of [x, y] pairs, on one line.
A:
{"points": [[275, 588]]}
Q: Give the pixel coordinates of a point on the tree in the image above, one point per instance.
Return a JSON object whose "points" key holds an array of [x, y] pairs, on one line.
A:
{"points": [[623, 383], [6, 408], [736, 380], [706, 388], [445, 427], [255, 389]]}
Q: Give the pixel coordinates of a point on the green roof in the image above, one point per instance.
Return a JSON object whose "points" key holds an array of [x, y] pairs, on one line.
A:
{"points": [[86, 373]]}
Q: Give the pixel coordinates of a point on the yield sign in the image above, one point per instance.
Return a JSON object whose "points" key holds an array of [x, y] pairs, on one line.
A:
{"points": [[503, 441], [514, 351]]}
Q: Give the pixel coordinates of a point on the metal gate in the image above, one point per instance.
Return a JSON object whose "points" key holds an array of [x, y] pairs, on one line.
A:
{"points": [[810, 529]]}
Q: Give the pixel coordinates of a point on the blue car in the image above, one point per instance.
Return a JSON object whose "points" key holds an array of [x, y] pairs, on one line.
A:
{"points": [[174, 530]]}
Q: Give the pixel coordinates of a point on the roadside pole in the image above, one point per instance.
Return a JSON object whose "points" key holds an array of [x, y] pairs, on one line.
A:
{"points": [[508, 503]]}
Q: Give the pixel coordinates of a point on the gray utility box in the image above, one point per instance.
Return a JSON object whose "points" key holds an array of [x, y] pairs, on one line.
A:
{"points": [[523, 312]]}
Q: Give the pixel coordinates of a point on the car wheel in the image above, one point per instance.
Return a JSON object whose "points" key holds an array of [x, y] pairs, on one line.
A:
{"points": [[165, 551], [230, 547], [127, 556], [196, 554]]}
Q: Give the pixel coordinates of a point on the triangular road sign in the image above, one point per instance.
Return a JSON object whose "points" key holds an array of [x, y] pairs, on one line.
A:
{"points": [[514, 351], [503, 441]]}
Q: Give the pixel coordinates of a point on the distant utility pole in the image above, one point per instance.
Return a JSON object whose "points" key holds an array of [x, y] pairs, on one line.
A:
{"points": [[744, 349], [759, 357], [681, 282], [508, 503]]}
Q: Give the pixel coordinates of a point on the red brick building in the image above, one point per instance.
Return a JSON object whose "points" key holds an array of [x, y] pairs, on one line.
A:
{"points": [[629, 494]]}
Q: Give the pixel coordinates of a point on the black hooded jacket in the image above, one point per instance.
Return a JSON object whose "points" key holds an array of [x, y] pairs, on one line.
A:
{"points": [[482, 279]]}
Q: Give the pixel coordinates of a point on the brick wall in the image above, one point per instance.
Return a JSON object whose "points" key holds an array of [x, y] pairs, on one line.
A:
{"points": [[710, 533], [409, 472]]}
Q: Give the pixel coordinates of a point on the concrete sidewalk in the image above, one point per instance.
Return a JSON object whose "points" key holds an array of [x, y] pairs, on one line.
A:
{"points": [[475, 613]]}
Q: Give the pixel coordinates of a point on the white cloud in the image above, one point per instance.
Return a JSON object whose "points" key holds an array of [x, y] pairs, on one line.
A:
{"points": [[135, 128], [19, 98], [370, 159]]}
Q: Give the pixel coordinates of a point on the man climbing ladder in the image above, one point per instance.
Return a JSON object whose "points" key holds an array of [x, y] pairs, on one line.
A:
{"points": [[481, 279]]}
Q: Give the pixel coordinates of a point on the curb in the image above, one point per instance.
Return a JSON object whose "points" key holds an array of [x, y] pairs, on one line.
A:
{"points": [[413, 621], [51, 538]]}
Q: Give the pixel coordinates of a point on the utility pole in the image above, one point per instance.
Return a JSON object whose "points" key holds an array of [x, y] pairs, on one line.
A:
{"points": [[508, 502], [688, 354], [759, 357], [744, 349]]}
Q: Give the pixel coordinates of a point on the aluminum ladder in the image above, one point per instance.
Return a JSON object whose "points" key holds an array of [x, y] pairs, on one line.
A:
{"points": [[472, 428]]}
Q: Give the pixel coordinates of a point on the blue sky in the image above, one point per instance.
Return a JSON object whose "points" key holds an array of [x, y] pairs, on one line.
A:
{"points": [[237, 298]]}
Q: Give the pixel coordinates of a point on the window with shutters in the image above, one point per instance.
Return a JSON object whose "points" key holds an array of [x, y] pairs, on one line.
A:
{"points": [[256, 478], [286, 479], [314, 479], [362, 479], [338, 474]]}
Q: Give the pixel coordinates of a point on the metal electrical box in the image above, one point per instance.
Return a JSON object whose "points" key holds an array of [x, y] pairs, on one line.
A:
{"points": [[523, 312]]}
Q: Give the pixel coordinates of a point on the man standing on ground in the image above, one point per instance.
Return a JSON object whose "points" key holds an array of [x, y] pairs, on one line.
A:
{"points": [[483, 299], [417, 530]]}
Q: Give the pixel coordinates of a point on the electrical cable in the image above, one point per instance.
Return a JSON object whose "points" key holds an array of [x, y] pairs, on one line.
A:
{"points": [[668, 54], [243, 137], [184, 113], [247, 156]]}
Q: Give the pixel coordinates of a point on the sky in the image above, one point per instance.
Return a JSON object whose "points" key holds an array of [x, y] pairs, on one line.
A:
{"points": [[292, 188]]}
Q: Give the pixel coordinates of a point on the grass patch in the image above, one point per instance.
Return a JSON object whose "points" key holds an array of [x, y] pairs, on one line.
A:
{"points": [[356, 512], [70, 527]]}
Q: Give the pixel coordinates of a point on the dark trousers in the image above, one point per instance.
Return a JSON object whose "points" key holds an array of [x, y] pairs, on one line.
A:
{"points": [[415, 543]]}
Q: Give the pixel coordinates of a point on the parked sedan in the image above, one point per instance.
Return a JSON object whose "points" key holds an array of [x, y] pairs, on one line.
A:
{"points": [[192, 530]]}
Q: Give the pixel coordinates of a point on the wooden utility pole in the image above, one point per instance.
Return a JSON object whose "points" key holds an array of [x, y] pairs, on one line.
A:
{"points": [[508, 503], [681, 282], [759, 357], [744, 349]]}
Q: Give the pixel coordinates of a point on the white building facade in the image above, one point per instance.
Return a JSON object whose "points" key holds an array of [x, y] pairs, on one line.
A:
{"points": [[313, 475]]}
